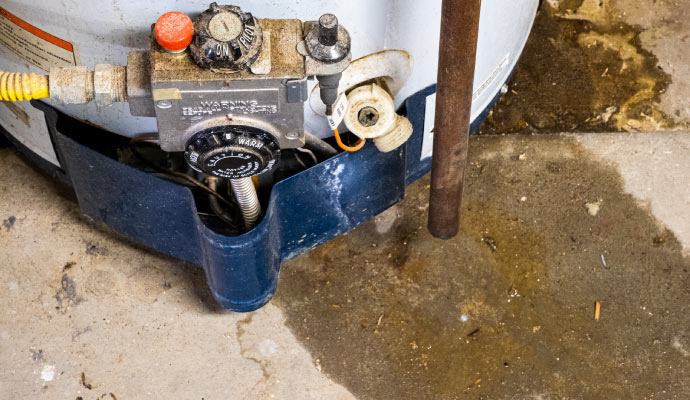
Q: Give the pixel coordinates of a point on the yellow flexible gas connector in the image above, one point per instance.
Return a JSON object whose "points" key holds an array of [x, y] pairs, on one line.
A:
{"points": [[18, 86]]}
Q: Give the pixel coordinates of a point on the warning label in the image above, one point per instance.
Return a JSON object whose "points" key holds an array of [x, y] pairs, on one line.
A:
{"points": [[33, 45]]}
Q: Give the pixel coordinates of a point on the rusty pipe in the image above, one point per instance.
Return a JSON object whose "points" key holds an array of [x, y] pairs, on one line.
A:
{"points": [[456, 61]]}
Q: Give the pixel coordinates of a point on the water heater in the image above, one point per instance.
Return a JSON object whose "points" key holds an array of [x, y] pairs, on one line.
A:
{"points": [[237, 136]]}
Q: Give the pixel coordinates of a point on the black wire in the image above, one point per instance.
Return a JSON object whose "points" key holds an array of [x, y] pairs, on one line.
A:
{"points": [[225, 216], [309, 152], [299, 160], [167, 174], [321, 148]]}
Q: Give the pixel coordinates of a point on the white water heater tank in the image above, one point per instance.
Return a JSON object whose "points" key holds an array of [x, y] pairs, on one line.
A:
{"points": [[80, 32]]}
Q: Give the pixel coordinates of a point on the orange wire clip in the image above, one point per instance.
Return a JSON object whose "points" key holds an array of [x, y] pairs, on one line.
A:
{"points": [[345, 147]]}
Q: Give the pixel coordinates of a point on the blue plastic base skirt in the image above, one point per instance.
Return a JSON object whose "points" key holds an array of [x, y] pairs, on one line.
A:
{"points": [[304, 211]]}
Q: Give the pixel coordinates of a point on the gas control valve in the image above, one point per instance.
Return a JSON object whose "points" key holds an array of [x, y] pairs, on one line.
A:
{"points": [[238, 73]]}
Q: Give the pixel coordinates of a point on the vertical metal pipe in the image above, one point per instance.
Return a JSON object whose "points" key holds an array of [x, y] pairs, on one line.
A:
{"points": [[456, 61]]}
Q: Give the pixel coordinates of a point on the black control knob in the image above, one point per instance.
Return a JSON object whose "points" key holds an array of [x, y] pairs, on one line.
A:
{"points": [[328, 30], [232, 151], [226, 38], [327, 41]]}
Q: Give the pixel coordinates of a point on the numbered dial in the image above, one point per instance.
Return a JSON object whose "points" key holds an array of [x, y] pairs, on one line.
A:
{"points": [[233, 151], [226, 39]]}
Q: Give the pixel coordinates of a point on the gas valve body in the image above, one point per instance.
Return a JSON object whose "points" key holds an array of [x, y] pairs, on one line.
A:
{"points": [[188, 99], [238, 71]]}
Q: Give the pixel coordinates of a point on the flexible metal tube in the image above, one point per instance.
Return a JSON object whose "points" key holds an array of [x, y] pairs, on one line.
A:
{"points": [[247, 199]]}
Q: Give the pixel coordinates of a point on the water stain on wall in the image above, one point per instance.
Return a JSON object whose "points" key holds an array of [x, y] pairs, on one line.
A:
{"points": [[507, 308]]}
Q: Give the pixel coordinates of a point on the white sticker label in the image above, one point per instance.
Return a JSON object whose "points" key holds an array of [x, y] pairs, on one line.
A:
{"points": [[430, 111], [429, 117], [34, 45], [338, 114], [492, 78]]}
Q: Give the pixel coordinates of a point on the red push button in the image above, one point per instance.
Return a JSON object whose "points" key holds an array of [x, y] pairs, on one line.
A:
{"points": [[174, 31]]}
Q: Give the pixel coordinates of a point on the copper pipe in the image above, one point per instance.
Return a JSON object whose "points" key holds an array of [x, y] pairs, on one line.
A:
{"points": [[456, 61]]}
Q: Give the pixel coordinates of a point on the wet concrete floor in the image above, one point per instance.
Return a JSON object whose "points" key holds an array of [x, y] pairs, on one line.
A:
{"points": [[507, 308]]}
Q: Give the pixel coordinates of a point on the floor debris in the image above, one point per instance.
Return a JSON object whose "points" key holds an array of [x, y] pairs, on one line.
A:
{"points": [[593, 208]]}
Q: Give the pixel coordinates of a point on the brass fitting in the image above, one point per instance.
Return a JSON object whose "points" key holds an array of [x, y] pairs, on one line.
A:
{"points": [[106, 84]]}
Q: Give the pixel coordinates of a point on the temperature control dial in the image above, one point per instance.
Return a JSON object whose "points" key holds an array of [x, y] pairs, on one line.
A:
{"points": [[232, 151], [226, 39]]}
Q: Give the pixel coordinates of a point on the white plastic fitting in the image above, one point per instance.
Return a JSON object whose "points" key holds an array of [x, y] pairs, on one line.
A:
{"points": [[387, 129]]}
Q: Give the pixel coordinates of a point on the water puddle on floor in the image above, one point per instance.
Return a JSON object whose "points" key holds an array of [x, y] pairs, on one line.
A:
{"points": [[507, 308]]}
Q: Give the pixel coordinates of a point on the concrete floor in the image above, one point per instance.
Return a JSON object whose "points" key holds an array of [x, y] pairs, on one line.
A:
{"points": [[551, 224]]}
